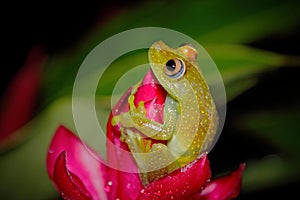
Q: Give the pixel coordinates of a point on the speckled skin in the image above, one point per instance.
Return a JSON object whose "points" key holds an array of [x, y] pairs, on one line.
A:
{"points": [[190, 116], [198, 121]]}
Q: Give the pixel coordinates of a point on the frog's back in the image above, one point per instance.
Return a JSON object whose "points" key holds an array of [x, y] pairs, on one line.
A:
{"points": [[198, 119]]}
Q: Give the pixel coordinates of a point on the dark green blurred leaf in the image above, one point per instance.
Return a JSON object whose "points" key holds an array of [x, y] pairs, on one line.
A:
{"points": [[279, 127], [206, 21], [240, 65], [211, 21], [269, 172]]}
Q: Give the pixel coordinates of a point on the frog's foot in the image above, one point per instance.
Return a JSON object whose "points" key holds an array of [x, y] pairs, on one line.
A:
{"points": [[136, 118], [124, 119], [137, 145], [159, 162], [153, 161], [135, 142]]}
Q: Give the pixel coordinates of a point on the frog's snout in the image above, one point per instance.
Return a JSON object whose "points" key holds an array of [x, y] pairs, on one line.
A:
{"points": [[159, 45], [156, 46]]}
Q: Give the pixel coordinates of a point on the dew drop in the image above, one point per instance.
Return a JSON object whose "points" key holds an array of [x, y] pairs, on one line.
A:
{"points": [[157, 193], [108, 186], [109, 183], [50, 151]]}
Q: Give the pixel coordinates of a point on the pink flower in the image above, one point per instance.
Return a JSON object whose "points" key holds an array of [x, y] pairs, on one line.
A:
{"points": [[19, 100], [77, 174]]}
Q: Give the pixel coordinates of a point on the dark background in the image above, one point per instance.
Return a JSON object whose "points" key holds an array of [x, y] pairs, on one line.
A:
{"points": [[58, 26]]}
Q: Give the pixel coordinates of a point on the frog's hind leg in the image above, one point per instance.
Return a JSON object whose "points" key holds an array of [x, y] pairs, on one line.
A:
{"points": [[159, 162], [153, 161]]}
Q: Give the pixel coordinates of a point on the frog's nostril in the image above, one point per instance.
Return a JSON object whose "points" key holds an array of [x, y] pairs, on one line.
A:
{"points": [[157, 46]]}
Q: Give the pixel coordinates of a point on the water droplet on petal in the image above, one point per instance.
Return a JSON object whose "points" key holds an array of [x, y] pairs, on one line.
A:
{"points": [[109, 183], [157, 193], [108, 186]]}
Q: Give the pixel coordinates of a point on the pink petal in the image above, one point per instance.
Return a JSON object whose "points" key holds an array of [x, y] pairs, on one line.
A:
{"points": [[80, 162], [67, 183], [223, 188], [128, 185], [154, 96], [113, 132], [20, 97], [120, 184], [180, 184], [149, 92]]}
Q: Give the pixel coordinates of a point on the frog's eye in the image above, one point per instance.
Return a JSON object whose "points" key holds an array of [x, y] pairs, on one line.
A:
{"points": [[174, 68]]}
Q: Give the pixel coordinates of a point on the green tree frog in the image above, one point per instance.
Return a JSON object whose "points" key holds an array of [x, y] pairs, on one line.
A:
{"points": [[190, 115]]}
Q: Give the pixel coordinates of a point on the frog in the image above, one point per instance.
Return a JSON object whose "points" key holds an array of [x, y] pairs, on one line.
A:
{"points": [[190, 114]]}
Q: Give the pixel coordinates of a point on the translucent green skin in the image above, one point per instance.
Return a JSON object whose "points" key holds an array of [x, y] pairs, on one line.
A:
{"points": [[190, 116]]}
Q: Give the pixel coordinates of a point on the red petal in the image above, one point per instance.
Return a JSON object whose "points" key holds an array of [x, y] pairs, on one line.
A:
{"points": [[67, 183], [151, 93], [119, 184], [122, 185], [128, 185], [223, 188], [21, 96], [180, 184], [81, 161], [154, 96]]}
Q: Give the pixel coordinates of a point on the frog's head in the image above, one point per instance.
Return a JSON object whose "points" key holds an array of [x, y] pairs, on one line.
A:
{"points": [[171, 66]]}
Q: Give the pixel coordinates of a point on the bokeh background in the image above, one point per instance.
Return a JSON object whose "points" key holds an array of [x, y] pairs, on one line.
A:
{"points": [[255, 45]]}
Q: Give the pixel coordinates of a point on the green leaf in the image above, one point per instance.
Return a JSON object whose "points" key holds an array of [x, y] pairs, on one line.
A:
{"points": [[206, 21], [211, 21], [268, 172], [241, 65], [280, 127]]}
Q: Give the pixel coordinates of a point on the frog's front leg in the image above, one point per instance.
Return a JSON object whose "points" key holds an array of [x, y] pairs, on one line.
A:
{"points": [[136, 118], [153, 161]]}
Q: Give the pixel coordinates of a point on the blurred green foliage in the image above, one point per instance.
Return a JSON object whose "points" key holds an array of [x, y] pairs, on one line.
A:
{"points": [[225, 29]]}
